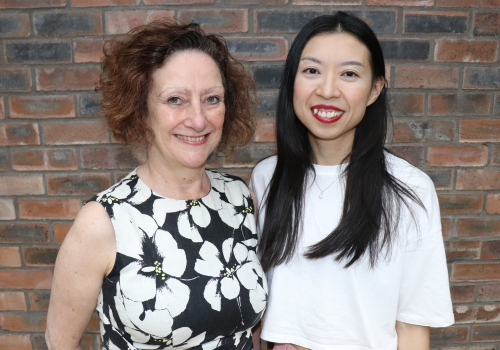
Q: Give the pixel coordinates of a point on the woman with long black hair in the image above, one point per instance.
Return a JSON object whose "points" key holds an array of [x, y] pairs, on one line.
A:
{"points": [[350, 234]]}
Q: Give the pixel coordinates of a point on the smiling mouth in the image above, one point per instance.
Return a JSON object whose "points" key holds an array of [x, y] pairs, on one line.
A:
{"points": [[327, 114], [192, 139]]}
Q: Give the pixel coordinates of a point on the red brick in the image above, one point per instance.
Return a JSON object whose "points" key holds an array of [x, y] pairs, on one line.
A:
{"points": [[478, 227], [111, 158], [452, 334], [24, 233], [462, 250], [15, 25], [56, 208], [15, 80], [469, 3], [90, 3], [482, 272], [491, 250], [75, 133], [460, 203], [25, 322], [118, 22], [63, 79], [451, 155], [488, 292], [259, 2], [257, 49], [60, 232], [487, 24], [249, 155], [480, 130], [36, 107], [486, 333], [446, 227], [459, 50], [495, 155], [7, 211], [478, 179], [477, 314], [87, 50], [442, 178], [40, 256], [429, 131], [77, 184], [178, 2], [425, 3], [2, 109], [326, 2], [426, 77], [462, 294], [4, 161], [17, 4], [19, 134], [9, 257], [435, 22], [217, 21], [406, 104], [265, 130], [12, 301], [493, 203], [19, 185], [412, 154], [39, 301], [44, 159], [25, 279], [14, 341], [454, 104], [481, 78]]}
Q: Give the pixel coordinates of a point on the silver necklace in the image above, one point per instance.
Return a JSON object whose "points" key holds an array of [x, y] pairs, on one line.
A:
{"points": [[321, 194]]}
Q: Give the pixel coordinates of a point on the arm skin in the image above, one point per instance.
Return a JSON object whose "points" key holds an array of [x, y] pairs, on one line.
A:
{"points": [[412, 337], [86, 256]]}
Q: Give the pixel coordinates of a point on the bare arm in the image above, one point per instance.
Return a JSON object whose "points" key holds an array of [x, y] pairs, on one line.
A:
{"points": [[86, 256], [412, 337]]}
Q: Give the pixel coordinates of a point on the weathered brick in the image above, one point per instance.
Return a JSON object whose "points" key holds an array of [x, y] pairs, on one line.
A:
{"points": [[426, 77], [39, 301], [61, 79], [2, 109], [14, 25], [9, 257], [488, 292], [468, 3], [493, 203], [459, 50], [36, 107], [462, 294], [14, 341], [478, 227], [7, 211], [491, 250], [462, 250], [487, 24], [265, 130], [495, 155], [405, 50], [178, 2], [452, 334], [429, 131], [12, 301], [248, 156], [406, 104], [435, 22], [477, 314], [56, 208], [25, 322], [19, 134], [460, 203], [379, 21], [60, 232], [459, 104], [75, 133], [442, 178], [486, 333], [258, 2], [480, 272], [77, 184], [88, 105], [267, 77], [40, 256], [451, 155], [483, 78], [19, 185], [257, 49], [87, 50], [118, 22], [480, 130], [327, 2], [275, 21], [13, 80], [38, 52], [24, 233], [110, 158], [217, 21], [478, 179], [90, 3], [69, 23], [44, 159], [446, 227], [268, 102], [412, 154], [4, 161], [25, 279]]}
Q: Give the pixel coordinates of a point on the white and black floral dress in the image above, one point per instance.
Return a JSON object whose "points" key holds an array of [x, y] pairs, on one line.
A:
{"points": [[186, 274]]}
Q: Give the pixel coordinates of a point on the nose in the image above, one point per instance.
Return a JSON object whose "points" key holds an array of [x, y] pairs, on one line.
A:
{"points": [[196, 118], [328, 88]]}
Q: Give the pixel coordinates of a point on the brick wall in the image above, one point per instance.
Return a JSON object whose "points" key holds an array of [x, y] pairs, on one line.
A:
{"points": [[443, 70]]}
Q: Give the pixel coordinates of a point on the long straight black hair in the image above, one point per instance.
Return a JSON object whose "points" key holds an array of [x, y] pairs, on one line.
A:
{"points": [[373, 197]]}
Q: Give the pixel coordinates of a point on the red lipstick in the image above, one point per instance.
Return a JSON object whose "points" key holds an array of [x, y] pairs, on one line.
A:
{"points": [[328, 108]]}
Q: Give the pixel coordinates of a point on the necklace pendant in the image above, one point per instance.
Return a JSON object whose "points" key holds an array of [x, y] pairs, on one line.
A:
{"points": [[321, 195]]}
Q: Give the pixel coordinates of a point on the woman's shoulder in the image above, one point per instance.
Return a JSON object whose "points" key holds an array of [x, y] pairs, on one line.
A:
{"points": [[407, 173], [265, 168]]}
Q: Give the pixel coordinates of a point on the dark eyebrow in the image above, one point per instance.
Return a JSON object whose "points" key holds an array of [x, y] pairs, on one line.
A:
{"points": [[315, 60], [352, 63]]}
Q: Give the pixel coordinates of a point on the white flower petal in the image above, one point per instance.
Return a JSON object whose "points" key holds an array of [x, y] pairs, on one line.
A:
{"points": [[230, 287], [120, 192], [258, 299], [142, 195], [250, 242], [212, 295], [120, 308], [131, 243], [157, 323], [144, 222], [200, 215], [218, 184], [247, 275], [209, 264], [174, 262], [173, 297], [240, 252], [136, 335], [162, 206], [136, 286], [229, 216], [195, 341], [234, 192], [213, 202], [227, 247], [180, 335], [186, 230]]}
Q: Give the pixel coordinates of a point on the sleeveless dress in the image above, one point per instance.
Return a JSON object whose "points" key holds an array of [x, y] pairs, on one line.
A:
{"points": [[186, 274]]}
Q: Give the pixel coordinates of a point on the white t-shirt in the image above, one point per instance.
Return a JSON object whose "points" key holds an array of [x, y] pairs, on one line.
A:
{"points": [[321, 305]]}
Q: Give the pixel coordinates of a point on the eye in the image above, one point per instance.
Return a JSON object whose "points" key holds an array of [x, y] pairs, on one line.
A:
{"points": [[174, 100], [213, 100], [311, 71], [351, 74]]}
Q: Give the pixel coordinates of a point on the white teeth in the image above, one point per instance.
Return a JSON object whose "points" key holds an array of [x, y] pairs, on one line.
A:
{"points": [[315, 111], [187, 138], [329, 114], [332, 114]]}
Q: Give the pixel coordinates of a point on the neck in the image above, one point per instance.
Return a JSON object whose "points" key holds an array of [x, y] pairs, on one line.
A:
{"points": [[331, 152]]}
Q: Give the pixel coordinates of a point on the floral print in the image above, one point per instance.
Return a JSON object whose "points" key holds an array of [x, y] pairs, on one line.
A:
{"points": [[186, 274]]}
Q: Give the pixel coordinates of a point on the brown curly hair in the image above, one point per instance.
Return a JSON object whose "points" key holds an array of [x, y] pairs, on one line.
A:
{"points": [[129, 62]]}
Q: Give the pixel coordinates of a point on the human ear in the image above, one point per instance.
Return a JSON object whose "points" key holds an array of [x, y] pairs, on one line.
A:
{"points": [[378, 85]]}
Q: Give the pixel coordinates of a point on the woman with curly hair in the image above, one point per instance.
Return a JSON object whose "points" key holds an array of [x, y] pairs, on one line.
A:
{"points": [[168, 253]]}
